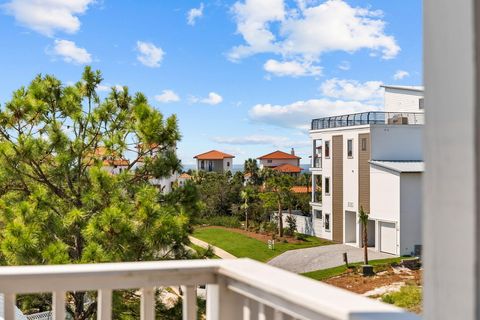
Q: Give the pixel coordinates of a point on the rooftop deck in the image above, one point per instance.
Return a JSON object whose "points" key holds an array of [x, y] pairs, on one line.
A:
{"points": [[372, 117], [236, 289]]}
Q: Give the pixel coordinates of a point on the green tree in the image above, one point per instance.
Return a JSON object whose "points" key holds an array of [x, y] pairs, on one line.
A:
{"points": [[250, 167], [363, 219], [59, 205], [278, 193], [248, 196]]}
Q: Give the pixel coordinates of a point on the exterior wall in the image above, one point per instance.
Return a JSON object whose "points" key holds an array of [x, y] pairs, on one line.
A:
{"points": [[363, 172], [400, 100], [277, 162], [410, 212], [217, 165], [337, 188], [165, 184], [384, 200], [227, 164], [397, 142]]}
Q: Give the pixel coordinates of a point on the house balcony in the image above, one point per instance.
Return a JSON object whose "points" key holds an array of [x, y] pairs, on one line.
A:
{"points": [[367, 118], [236, 289], [316, 163]]}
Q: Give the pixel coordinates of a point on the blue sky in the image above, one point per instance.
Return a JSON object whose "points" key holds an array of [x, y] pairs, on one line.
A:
{"points": [[244, 77]]}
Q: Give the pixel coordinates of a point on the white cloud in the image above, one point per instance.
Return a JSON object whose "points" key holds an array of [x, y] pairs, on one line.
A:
{"points": [[167, 96], [69, 52], [352, 89], [299, 114], [291, 68], [49, 16], [310, 29], [344, 65], [149, 54], [276, 141], [107, 87], [194, 13], [212, 99], [400, 74]]}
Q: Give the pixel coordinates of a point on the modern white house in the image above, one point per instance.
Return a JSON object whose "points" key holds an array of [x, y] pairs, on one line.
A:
{"points": [[281, 161], [370, 160], [214, 161]]}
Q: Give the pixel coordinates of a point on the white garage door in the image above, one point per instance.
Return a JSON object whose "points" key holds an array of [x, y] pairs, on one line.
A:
{"points": [[388, 237]]}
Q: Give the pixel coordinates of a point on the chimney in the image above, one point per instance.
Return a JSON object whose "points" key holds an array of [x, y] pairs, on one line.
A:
{"points": [[292, 152]]}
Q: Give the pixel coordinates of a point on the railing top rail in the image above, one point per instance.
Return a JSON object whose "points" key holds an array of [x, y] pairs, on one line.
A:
{"points": [[282, 290]]}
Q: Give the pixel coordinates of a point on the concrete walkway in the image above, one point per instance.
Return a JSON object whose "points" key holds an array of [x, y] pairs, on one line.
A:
{"points": [[316, 258], [218, 252]]}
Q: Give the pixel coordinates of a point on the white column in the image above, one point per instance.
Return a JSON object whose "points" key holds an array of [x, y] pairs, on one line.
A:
{"points": [[451, 182]]}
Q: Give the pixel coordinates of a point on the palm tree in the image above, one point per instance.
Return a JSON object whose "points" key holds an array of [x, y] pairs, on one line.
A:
{"points": [[363, 219], [247, 196], [280, 186], [251, 167]]}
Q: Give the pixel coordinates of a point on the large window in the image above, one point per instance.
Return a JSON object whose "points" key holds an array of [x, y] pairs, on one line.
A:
{"points": [[364, 144], [327, 186], [317, 195], [350, 148], [327, 149], [318, 214], [317, 153], [327, 222]]}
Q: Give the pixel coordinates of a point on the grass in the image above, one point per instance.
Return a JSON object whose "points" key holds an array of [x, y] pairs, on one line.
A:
{"points": [[243, 246], [409, 297], [336, 271]]}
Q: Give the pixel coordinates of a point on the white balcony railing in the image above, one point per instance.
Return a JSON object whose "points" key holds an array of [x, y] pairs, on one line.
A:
{"points": [[236, 289]]}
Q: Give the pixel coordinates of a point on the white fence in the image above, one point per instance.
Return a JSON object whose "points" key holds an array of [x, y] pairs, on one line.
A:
{"points": [[236, 289]]}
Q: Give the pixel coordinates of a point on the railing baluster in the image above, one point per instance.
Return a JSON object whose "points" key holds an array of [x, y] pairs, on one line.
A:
{"points": [[277, 315], [9, 305], [147, 304], [58, 305], [189, 302], [246, 309], [104, 309], [261, 312]]}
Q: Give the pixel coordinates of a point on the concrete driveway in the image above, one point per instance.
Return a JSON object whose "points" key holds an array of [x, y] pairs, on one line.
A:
{"points": [[311, 259]]}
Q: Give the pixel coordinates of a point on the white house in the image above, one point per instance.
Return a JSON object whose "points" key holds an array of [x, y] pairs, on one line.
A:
{"points": [[165, 184], [346, 152], [214, 160]]}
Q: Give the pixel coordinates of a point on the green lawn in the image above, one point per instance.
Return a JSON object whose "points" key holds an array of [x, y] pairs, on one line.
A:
{"points": [[409, 297], [336, 271], [243, 246]]}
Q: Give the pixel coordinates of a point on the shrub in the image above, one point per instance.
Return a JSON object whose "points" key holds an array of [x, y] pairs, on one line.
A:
{"points": [[291, 224], [300, 236], [409, 297], [222, 221]]}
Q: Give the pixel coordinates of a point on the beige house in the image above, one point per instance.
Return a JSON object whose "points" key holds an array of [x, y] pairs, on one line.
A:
{"points": [[214, 161], [281, 161]]}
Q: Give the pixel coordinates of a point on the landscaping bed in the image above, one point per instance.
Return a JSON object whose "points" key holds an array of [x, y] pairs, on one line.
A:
{"points": [[392, 283], [247, 244]]}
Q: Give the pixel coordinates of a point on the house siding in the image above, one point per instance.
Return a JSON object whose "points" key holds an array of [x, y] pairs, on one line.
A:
{"points": [[337, 187], [364, 173]]}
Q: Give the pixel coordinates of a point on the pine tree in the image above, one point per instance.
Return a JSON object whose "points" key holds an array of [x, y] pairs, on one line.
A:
{"points": [[59, 205]]}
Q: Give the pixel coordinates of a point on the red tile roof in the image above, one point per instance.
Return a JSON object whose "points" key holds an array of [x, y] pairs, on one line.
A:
{"points": [[301, 189], [279, 155], [185, 176], [213, 155], [288, 168]]}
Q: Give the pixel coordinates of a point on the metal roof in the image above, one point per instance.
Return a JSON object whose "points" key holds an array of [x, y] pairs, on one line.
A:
{"points": [[401, 166]]}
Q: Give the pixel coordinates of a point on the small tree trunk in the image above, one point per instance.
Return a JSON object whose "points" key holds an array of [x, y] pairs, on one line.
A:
{"points": [[365, 244], [280, 220], [246, 219]]}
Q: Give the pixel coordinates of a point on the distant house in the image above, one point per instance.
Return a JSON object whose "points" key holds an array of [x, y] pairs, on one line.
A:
{"points": [[111, 161], [214, 161], [282, 162], [165, 184], [183, 178]]}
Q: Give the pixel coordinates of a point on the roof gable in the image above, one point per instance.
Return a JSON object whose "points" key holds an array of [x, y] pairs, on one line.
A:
{"points": [[213, 155], [279, 155]]}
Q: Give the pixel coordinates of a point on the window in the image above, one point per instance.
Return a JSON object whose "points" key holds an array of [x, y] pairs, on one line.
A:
{"points": [[327, 149], [228, 163], [327, 222], [420, 103], [202, 165], [350, 148], [364, 144], [327, 186], [269, 161], [318, 214]]}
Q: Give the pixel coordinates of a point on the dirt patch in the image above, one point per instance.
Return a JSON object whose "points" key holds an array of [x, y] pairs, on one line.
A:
{"points": [[357, 283], [264, 237]]}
